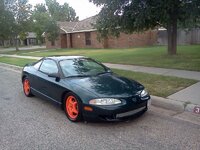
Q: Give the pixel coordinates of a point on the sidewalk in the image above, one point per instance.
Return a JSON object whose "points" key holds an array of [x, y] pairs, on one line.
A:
{"points": [[160, 71], [189, 94], [26, 48], [19, 56]]}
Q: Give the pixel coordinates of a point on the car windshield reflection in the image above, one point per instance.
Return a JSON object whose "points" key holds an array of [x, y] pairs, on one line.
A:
{"points": [[82, 68]]}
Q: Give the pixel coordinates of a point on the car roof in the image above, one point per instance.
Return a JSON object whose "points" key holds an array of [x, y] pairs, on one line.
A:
{"points": [[59, 58]]}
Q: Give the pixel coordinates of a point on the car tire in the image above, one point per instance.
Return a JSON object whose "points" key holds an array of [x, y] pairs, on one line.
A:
{"points": [[27, 87], [73, 107]]}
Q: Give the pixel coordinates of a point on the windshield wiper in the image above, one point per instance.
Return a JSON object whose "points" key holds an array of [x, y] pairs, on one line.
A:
{"points": [[77, 76], [103, 73]]}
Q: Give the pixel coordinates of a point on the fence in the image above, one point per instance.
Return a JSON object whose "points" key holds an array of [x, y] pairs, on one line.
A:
{"points": [[184, 36]]}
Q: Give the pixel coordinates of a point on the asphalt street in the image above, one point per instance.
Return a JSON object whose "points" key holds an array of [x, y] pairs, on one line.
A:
{"points": [[33, 123]]}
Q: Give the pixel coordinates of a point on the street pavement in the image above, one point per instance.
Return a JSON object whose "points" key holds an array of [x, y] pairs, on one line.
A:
{"points": [[33, 123]]}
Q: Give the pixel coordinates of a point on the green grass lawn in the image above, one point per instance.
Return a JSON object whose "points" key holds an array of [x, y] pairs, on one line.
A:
{"points": [[16, 61], [156, 84], [188, 57]]}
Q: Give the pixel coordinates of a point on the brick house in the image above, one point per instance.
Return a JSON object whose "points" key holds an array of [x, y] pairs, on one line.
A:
{"points": [[82, 34]]}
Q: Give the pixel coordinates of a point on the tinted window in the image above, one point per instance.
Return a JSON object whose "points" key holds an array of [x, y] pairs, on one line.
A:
{"points": [[37, 65], [49, 66], [77, 67]]}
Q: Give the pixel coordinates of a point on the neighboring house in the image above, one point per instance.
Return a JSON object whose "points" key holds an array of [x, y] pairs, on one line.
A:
{"points": [[82, 34], [29, 41]]}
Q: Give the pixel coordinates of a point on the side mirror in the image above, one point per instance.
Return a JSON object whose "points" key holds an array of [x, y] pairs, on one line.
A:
{"points": [[54, 75], [109, 70]]}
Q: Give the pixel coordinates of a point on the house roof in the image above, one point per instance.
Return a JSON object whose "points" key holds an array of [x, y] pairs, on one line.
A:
{"points": [[79, 26], [67, 26]]}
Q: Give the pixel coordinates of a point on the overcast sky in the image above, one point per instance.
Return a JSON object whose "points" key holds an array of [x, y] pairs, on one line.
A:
{"points": [[83, 8]]}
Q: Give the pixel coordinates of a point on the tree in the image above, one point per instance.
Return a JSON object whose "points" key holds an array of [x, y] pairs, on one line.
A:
{"points": [[52, 31], [61, 12], [69, 13], [40, 19], [140, 15], [44, 23], [45, 18], [21, 11], [6, 21]]}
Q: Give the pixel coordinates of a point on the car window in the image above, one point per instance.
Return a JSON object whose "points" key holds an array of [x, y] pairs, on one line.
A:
{"points": [[37, 65], [49, 67], [77, 67]]}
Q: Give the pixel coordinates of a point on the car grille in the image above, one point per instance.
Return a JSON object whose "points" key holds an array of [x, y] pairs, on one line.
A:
{"points": [[129, 113]]}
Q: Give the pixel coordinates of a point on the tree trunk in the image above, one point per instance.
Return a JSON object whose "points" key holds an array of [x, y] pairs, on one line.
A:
{"points": [[4, 43], [16, 43], [172, 29], [172, 37]]}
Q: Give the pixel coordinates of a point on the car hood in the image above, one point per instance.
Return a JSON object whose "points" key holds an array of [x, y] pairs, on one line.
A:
{"points": [[108, 85]]}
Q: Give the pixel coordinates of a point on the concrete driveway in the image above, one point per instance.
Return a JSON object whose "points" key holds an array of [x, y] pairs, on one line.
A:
{"points": [[33, 123]]}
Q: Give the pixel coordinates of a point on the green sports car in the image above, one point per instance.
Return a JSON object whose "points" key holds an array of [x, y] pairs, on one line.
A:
{"points": [[84, 88]]}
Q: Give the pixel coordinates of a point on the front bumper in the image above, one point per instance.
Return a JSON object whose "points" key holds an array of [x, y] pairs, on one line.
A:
{"points": [[115, 113]]}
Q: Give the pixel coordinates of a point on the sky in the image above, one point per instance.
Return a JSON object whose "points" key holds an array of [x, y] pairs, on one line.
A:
{"points": [[83, 8]]}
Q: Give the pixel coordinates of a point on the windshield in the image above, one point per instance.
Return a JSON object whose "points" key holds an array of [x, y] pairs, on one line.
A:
{"points": [[81, 67]]}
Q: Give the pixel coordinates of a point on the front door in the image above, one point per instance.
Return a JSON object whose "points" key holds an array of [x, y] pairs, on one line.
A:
{"points": [[63, 40]]}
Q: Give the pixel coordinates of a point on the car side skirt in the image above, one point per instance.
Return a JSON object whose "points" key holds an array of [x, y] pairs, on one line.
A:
{"points": [[38, 93]]}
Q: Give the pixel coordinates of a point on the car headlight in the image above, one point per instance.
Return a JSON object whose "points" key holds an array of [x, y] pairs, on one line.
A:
{"points": [[105, 101], [143, 93]]}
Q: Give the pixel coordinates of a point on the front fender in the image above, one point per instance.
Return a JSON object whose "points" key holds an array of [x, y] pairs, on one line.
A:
{"points": [[84, 94]]}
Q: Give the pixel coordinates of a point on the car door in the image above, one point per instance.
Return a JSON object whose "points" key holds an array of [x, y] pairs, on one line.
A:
{"points": [[48, 86], [34, 76]]}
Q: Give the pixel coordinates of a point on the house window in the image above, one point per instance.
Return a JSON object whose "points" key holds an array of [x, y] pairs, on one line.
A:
{"points": [[87, 38], [52, 43]]}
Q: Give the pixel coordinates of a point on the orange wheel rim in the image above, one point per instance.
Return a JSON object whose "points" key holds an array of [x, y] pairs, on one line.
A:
{"points": [[26, 86], [72, 107]]}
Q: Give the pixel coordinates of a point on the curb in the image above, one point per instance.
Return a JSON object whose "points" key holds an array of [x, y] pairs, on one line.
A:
{"points": [[191, 107], [14, 67], [168, 103], [165, 103]]}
